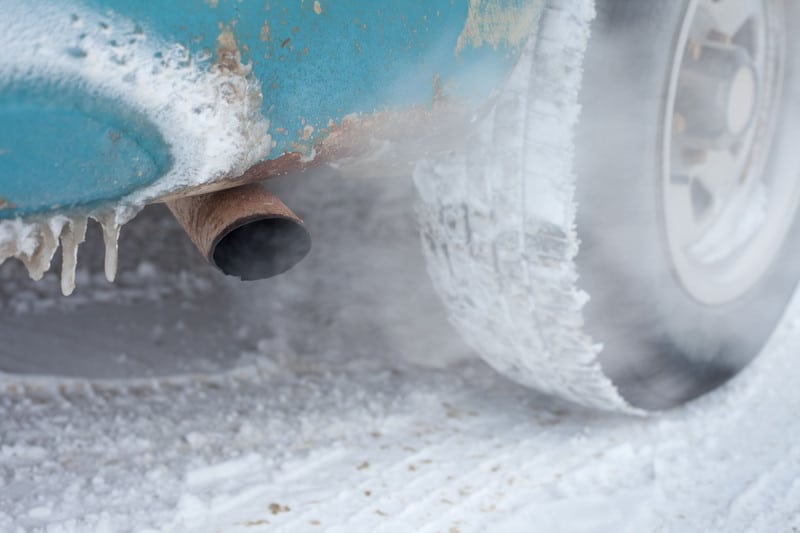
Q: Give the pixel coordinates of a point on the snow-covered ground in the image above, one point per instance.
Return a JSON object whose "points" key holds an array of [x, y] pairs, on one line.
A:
{"points": [[336, 397]]}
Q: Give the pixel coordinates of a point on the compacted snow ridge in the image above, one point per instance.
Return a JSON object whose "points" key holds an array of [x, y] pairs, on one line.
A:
{"points": [[498, 221], [208, 115]]}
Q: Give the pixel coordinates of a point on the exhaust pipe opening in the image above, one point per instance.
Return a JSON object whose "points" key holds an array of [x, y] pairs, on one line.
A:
{"points": [[245, 232], [261, 248]]}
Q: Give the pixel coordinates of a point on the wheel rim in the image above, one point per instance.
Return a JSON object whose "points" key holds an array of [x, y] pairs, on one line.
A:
{"points": [[725, 220]]}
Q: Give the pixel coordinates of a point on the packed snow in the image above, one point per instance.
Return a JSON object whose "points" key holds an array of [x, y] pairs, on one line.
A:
{"points": [[337, 398]]}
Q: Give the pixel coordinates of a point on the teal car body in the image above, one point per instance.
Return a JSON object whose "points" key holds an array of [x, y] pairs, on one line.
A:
{"points": [[90, 102]]}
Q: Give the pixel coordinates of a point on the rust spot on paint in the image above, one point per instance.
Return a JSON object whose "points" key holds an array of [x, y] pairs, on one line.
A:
{"points": [[317, 7], [228, 57], [265, 35], [288, 163], [356, 138], [492, 23]]}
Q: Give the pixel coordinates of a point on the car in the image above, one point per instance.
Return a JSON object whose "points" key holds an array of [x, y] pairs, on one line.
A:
{"points": [[608, 189]]}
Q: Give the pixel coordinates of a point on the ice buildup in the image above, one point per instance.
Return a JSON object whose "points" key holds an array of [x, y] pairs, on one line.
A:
{"points": [[207, 111]]}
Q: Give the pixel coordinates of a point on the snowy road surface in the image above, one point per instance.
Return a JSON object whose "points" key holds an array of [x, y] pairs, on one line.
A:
{"points": [[336, 398]]}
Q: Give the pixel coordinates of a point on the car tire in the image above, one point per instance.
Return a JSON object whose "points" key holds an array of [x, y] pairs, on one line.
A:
{"points": [[609, 324]]}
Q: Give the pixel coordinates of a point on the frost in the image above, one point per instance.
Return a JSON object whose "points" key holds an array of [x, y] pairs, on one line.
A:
{"points": [[498, 217], [208, 115], [111, 240], [73, 235]]}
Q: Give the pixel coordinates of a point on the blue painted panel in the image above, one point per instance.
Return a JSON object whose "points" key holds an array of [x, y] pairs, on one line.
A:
{"points": [[355, 56], [61, 148], [317, 62]]}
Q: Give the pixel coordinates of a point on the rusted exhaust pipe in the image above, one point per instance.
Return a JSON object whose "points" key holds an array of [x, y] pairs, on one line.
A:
{"points": [[245, 231]]}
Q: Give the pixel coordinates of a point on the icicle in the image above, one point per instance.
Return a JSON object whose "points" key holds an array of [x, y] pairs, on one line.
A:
{"points": [[8, 242], [73, 235], [49, 232], [108, 221], [39, 261], [32, 242]]}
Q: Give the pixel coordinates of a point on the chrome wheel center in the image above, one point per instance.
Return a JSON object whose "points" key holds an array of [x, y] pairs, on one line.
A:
{"points": [[717, 94], [741, 100], [725, 218]]}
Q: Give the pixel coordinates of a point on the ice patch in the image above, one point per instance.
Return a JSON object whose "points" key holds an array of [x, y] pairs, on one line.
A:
{"points": [[208, 113]]}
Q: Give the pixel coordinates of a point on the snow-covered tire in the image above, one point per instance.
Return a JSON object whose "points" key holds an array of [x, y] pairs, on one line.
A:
{"points": [[497, 218], [501, 229]]}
